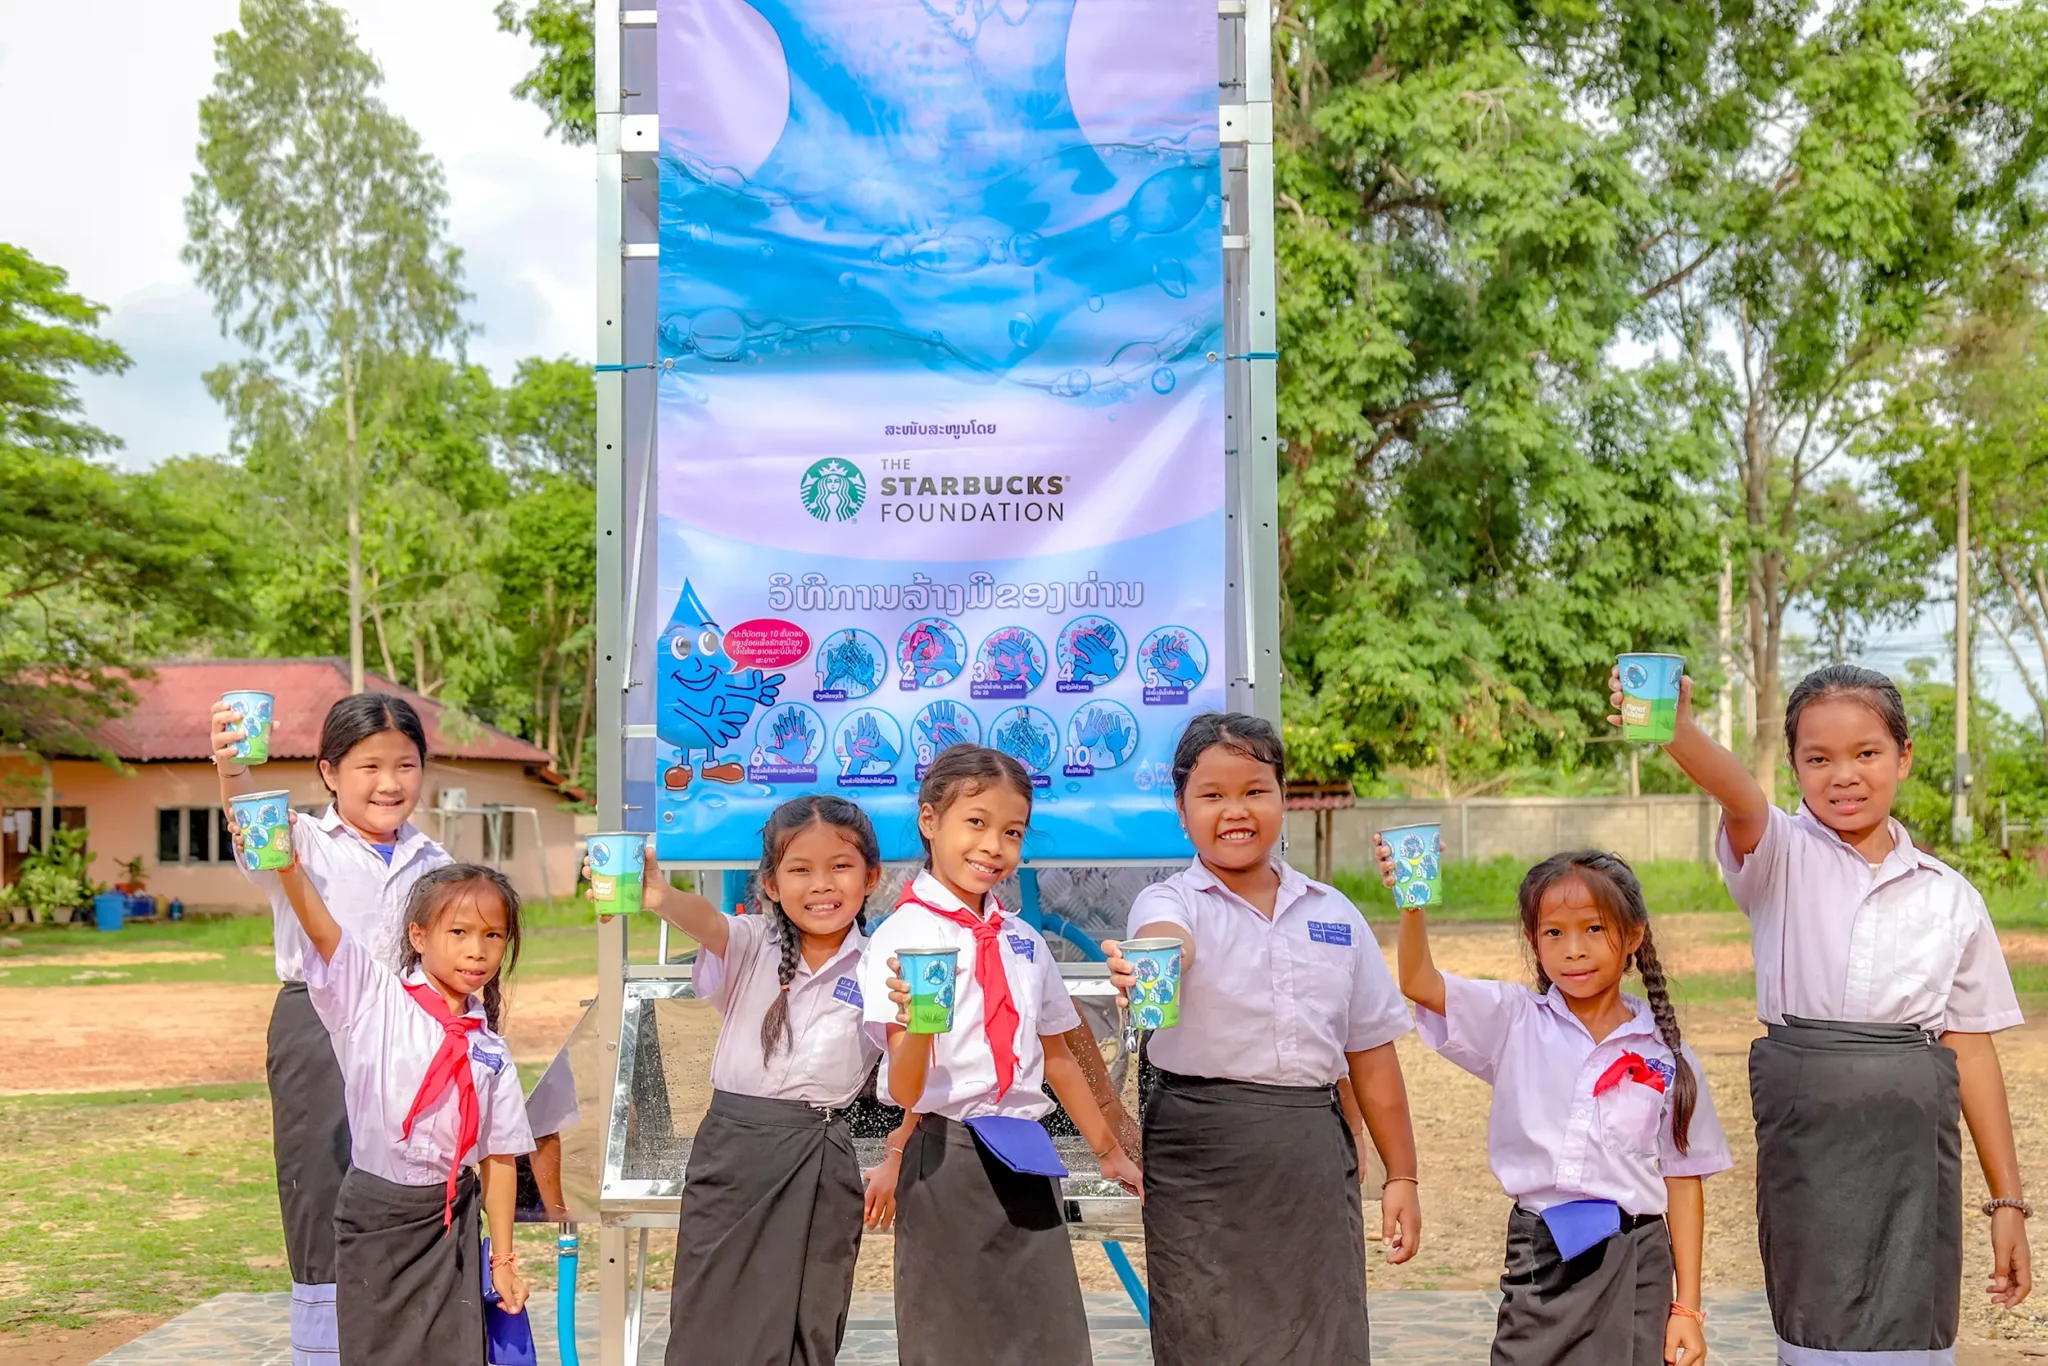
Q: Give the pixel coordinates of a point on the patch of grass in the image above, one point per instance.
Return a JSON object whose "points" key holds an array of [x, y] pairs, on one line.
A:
{"points": [[138, 1202], [1486, 891]]}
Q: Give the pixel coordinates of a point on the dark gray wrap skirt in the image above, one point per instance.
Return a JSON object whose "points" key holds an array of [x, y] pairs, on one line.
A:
{"points": [[1254, 1230], [1859, 1189], [408, 1289], [1608, 1306], [770, 1232], [984, 1268]]}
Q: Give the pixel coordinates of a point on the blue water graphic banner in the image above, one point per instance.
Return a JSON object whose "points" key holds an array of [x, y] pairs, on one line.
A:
{"points": [[941, 428]]}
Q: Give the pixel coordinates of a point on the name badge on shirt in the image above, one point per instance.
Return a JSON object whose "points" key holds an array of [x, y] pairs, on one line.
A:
{"points": [[848, 990], [1665, 1070], [494, 1061], [1023, 947], [1323, 932]]}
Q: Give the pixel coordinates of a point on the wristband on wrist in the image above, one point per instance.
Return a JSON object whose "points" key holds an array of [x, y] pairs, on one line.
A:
{"points": [[2025, 1207], [1411, 1180], [1686, 1311]]}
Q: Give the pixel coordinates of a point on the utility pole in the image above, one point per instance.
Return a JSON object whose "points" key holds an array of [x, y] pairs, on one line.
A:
{"points": [[1724, 706], [1961, 828]]}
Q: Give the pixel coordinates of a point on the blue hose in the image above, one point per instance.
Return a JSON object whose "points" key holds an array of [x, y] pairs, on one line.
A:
{"points": [[565, 1294], [1134, 1285]]}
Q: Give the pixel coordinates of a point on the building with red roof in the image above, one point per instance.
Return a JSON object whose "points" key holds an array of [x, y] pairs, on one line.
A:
{"points": [[490, 796]]}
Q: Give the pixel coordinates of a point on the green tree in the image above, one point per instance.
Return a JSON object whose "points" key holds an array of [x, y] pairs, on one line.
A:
{"points": [[317, 221], [550, 420], [563, 81], [97, 568], [1844, 175]]}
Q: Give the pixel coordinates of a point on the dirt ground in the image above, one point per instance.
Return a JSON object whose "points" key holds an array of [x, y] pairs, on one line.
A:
{"points": [[117, 1037]]}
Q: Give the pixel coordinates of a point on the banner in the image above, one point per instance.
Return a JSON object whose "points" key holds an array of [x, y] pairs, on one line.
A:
{"points": [[941, 409]]}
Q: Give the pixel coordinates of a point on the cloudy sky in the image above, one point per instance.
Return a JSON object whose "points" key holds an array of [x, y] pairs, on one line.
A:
{"points": [[100, 188]]}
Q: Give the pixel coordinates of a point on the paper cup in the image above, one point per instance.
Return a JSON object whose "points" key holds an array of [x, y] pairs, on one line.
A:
{"points": [[930, 973], [264, 821], [617, 863], [254, 710], [1418, 864], [1155, 1000], [1649, 696]]}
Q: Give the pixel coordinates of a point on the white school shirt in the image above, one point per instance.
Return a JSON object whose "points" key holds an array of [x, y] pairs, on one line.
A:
{"points": [[384, 1040], [828, 1055], [1277, 1001], [1908, 942], [364, 893], [962, 1081], [1549, 1139]]}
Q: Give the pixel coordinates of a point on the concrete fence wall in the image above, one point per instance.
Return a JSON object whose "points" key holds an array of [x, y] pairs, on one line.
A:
{"points": [[1524, 828]]}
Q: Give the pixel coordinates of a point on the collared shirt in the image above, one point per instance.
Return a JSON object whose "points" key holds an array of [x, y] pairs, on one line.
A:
{"points": [[384, 1041], [1550, 1139], [1908, 942], [827, 1056], [962, 1081], [364, 892], [1277, 1001]]}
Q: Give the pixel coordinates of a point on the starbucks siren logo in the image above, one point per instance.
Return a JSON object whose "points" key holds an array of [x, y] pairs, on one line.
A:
{"points": [[833, 490]]}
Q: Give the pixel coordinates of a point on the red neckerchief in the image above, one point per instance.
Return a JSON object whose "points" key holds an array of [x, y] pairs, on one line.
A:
{"points": [[999, 1013], [1629, 1066], [450, 1067]]}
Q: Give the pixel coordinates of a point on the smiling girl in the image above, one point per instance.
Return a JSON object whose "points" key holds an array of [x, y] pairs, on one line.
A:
{"points": [[772, 1198], [363, 855], [1880, 981], [984, 1267], [1254, 1226], [1602, 1125]]}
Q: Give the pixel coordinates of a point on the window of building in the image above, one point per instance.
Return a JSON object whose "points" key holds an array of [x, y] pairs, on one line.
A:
{"points": [[193, 834]]}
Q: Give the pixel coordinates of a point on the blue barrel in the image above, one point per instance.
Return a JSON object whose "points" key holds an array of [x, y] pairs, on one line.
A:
{"points": [[110, 910]]}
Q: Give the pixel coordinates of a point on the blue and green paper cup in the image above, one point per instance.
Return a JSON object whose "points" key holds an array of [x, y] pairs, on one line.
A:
{"points": [[264, 821], [930, 974], [1649, 696], [618, 861], [1418, 864], [252, 712], [1155, 1000]]}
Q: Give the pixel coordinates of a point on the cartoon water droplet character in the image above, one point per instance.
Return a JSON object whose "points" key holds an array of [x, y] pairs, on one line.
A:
{"points": [[705, 699], [1634, 677], [937, 974], [1150, 1016]]}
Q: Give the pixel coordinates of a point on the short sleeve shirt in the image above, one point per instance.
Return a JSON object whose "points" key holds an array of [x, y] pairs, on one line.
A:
{"points": [[1907, 942], [384, 1041], [1278, 1001], [827, 1056], [961, 1083], [1556, 1133], [364, 890]]}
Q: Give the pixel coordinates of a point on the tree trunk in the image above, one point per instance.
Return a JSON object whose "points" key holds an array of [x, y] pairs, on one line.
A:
{"points": [[1961, 828], [419, 666], [583, 713], [355, 526], [383, 642]]}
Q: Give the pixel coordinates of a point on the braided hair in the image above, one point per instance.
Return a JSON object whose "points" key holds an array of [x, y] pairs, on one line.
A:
{"points": [[788, 821], [1619, 896], [431, 895]]}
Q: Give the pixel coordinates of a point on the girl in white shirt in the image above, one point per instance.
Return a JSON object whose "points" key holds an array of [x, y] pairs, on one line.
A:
{"points": [[1254, 1225], [984, 1268], [1602, 1124], [363, 855], [772, 1198], [1880, 982], [436, 1118]]}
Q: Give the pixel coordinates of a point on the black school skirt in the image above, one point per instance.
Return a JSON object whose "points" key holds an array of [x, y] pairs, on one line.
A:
{"points": [[1859, 1189], [1254, 1230], [1608, 1306], [984, 1266], [409, 1290], [769, 1236], [310, 1143]]}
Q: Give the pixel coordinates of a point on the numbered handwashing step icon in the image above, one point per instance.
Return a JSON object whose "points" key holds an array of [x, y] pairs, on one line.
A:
{"points": [[930, 653], [867, 745], [1091, 653], [939, 727], [1172, 662], [1028, 735], [850, 665], [788, 742], [1010, 663], [1101, 736]]}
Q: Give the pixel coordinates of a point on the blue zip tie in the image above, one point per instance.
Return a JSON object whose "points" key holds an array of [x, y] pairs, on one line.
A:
{"points": [[1256, 355], [665, 364]]}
